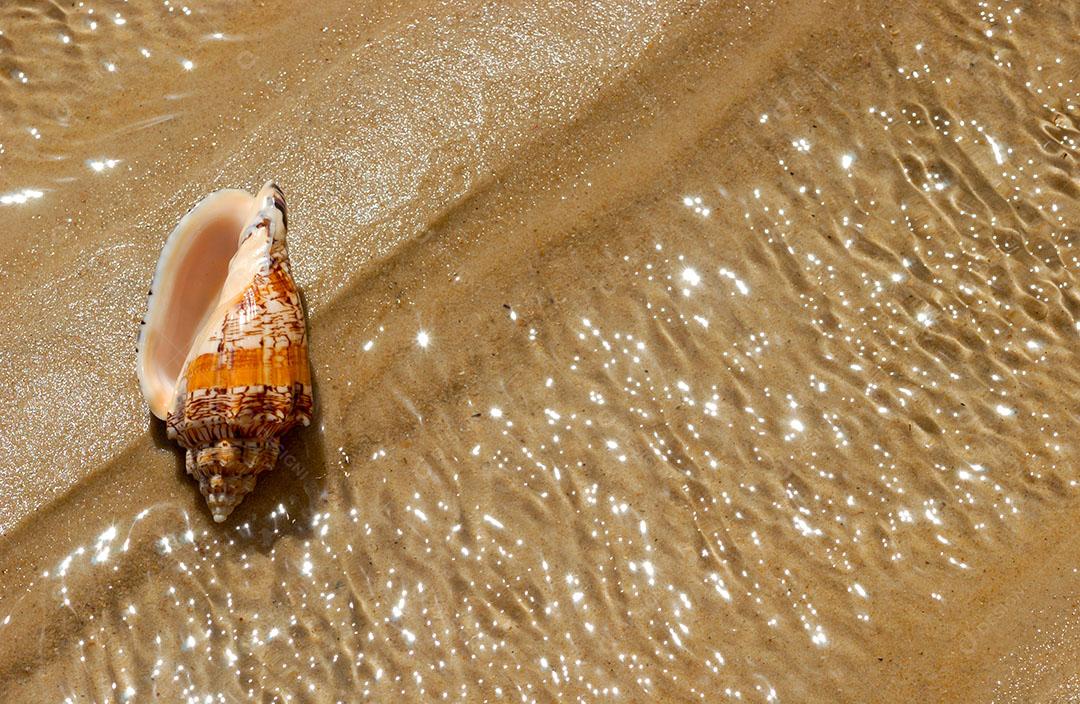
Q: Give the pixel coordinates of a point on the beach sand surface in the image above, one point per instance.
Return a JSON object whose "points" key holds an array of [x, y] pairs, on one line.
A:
{"points": [[663, 351]]}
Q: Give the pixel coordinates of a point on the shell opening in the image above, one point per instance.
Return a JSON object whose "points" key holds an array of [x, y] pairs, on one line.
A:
{"points": [[204, 262]]}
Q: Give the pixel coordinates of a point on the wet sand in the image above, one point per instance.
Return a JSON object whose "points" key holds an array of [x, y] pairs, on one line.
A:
{"points": [[749, 366]]}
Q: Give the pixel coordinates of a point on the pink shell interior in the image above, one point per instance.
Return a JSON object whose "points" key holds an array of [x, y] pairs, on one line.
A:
{"points": [[188, 281]]}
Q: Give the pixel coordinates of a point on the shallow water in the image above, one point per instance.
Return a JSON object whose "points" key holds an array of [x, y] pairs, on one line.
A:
{"points": [[680, 352]]}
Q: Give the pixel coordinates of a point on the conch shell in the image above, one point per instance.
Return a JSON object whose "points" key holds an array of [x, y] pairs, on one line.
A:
{"points": [[223, 349]]}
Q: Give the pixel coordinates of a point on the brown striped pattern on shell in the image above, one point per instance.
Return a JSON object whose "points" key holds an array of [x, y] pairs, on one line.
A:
{"points": [[249, 382]]}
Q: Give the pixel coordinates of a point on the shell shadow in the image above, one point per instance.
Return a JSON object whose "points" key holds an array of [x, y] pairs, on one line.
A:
{"points": [[161, 438], [158, 434], [286, 499]]}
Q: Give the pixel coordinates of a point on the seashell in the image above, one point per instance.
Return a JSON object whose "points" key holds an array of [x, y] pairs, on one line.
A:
{"points": [[223, 349]]}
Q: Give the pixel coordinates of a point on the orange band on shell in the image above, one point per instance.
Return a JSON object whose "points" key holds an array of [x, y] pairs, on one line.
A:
{"points": [[273, 366]]}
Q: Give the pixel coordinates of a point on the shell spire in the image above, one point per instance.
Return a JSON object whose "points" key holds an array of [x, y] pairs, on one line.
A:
{"points": [[223, 352]]}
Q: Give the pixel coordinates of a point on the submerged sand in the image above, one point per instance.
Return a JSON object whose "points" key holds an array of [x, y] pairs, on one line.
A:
{"points": [[663, 352]]}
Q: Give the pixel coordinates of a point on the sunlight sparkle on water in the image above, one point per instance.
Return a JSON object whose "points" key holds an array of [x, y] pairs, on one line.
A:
{"points": [[698, 206], [691, 276], [739, 283], [20, 197], [999, 155], [99, 165]]}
